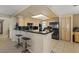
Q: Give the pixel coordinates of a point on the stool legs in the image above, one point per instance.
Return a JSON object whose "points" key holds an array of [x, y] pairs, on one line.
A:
{"points": [[25, 48], [19, 44]]}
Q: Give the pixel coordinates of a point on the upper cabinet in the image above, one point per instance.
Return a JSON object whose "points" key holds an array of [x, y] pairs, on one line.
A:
{"points": [[76, 20]]}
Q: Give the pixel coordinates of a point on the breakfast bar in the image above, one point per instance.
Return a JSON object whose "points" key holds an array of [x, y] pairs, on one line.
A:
{"points": [[40, 41]]}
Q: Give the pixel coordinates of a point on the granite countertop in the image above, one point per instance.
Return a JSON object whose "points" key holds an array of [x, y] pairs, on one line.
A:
{"points": [[40, 32], [37, 31]]}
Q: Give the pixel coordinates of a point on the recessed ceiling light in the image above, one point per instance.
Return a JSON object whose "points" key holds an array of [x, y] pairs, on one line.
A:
{"points": [[40, 16]]}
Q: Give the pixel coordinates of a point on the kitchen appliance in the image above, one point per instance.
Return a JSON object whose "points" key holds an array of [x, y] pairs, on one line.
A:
{"points": [[54, 27], [35, 27], [30, 26], [40, 27]]}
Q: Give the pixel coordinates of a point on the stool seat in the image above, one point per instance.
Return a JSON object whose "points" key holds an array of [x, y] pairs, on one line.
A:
{"points": [[25, 38], [18, 35]]}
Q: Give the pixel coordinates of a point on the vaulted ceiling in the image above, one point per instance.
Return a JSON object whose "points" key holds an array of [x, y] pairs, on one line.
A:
{"points": [[36, 10], [47, 10], [65, 9], [11, 9]]}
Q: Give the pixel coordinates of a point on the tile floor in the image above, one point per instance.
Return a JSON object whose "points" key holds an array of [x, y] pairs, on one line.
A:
{"points": [[58, 46], [7, 46]]}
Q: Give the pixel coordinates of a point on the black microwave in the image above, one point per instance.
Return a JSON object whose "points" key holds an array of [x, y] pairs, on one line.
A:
{"points": [[54, 25]]}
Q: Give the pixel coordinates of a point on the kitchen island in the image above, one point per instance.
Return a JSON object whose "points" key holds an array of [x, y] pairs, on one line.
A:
{"points": [[40, 41]]}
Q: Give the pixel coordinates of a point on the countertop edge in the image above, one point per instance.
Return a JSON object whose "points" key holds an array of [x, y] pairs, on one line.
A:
{"points": [[37, 32]]}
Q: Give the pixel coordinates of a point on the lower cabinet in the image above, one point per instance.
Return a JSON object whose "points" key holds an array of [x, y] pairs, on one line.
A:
{"points": [[39, 43], [76, 36]]}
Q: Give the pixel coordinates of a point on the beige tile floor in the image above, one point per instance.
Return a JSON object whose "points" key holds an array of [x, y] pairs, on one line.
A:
{"points": [[7, 46], [58, 46]]}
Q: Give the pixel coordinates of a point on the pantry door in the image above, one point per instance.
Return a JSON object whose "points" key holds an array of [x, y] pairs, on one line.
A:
{"points": [[66, 28], [63, 29]]}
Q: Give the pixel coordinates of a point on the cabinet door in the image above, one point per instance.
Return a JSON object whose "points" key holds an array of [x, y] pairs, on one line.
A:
{"points": [[76, 36], [37, 43]]}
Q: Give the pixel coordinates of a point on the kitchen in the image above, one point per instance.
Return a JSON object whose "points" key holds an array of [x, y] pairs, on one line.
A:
{"points": [[41, 29], [38, 34]]}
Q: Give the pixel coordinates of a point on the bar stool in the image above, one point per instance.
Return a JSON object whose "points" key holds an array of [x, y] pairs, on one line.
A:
{"points": [[19, 44], [25, 44]]}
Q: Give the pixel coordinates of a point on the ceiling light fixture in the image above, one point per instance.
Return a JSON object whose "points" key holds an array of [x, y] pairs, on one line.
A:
{"points": [[40, 16]]}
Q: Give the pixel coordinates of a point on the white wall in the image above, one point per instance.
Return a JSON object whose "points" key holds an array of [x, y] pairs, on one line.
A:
{"points": [[8, 24], [12, 24]]}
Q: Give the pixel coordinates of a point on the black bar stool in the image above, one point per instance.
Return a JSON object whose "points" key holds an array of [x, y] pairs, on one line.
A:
{"points": [[25, 45], [19, 44]]}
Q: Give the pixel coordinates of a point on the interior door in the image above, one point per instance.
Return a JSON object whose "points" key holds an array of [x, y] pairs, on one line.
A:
{"points": [[63, 29], [66, 28]]}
